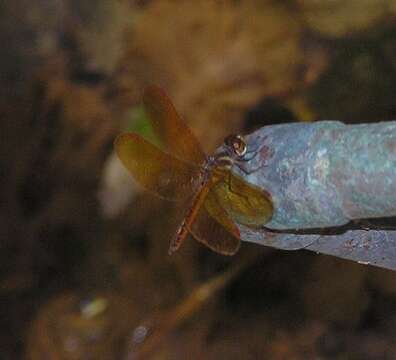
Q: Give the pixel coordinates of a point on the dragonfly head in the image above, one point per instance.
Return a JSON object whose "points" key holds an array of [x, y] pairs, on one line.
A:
{"points": [[233, 149]]}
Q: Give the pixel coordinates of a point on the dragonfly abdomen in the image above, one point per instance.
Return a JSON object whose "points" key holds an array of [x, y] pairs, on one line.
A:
{"points": [[193, 209]]}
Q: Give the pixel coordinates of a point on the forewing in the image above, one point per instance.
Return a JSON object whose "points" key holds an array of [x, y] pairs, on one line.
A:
{"points": [[245, 203], [155, 170], [214, 228], [173, 132]]}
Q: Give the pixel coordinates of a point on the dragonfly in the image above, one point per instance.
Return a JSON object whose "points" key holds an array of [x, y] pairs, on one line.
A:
{"points": [[214, 199]]}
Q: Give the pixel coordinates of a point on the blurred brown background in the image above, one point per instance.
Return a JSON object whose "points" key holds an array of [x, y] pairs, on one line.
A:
{"points": [[84, 267]]}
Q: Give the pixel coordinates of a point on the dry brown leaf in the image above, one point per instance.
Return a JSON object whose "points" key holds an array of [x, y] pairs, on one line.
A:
{"points": [[214, 58], [338, 18]]}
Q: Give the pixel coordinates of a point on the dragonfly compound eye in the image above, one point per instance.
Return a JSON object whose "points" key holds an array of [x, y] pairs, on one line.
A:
{"points": [[237, 144]]}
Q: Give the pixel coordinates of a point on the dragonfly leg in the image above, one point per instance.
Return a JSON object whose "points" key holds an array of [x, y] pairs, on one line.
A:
{"points": [[250, 171]]}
